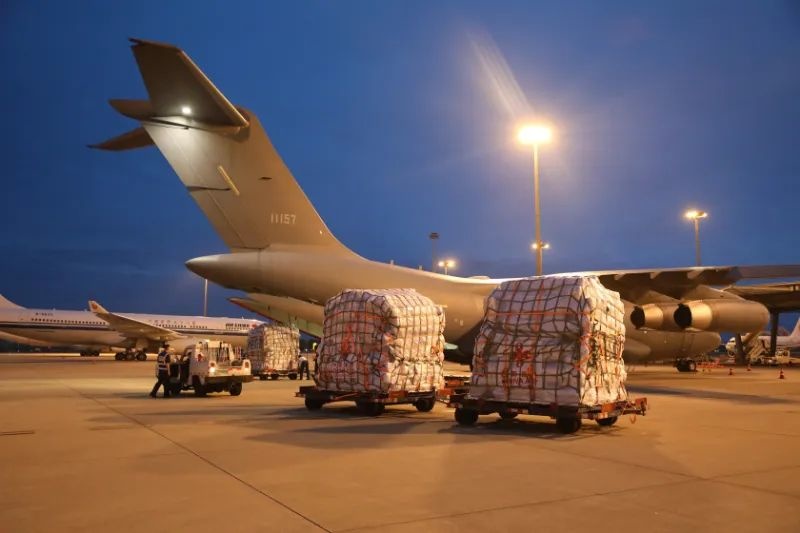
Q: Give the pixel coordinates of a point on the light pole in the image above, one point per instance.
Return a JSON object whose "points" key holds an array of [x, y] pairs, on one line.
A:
{"points": [[433, 237], [534, 135], [447, 264], [205, 297], [695, 215]]}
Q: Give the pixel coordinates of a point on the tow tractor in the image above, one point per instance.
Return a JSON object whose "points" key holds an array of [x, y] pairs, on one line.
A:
{"points": [[210, 367]]}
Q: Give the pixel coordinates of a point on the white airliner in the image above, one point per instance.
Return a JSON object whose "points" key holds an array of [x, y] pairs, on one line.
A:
{"points": [[99, 329], [781, 341]]}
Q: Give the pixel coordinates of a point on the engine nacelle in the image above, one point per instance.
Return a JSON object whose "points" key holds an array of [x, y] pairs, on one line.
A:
{"points": [[724, 314], [655, 316]]}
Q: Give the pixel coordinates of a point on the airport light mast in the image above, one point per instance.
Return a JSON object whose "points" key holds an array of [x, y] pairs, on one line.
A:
{"points": [[534, 135], [695, 215], [447, 264], [434, 236]]}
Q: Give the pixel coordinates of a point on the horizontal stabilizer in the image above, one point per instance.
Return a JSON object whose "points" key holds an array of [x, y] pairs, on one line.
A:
{"points": [[177, 87], [138, 138]]}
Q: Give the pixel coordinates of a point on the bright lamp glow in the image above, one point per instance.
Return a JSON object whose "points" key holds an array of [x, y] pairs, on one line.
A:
{"points": [[449, 263], [534, 134], [694, 214], [186, 110], [545, 246]]}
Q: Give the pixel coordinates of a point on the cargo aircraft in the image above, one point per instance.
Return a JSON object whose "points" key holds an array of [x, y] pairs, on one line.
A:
{"points": [[286, 258], [99, 329]]}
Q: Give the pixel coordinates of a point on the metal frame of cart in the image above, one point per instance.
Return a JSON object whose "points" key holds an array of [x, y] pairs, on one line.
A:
{"points": [[369, 403], [568, 418]]}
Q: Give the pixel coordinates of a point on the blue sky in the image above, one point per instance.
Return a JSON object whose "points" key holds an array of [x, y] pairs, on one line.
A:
{"points": [[398, 119]]}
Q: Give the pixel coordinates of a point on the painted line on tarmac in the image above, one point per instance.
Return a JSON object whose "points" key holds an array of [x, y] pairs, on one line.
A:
{"points": [[197, 455]]}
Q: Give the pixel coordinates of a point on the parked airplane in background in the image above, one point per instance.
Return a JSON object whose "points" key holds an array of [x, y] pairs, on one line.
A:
{"points": [[101, 330], [286, 257], [781, 341]]}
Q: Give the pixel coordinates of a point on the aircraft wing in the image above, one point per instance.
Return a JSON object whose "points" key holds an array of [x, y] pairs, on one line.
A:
{"points": [[132, 328], [675, 282], [777, 297]]}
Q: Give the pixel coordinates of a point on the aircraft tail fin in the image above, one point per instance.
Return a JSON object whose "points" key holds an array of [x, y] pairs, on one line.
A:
{"points": [[795, 334], [5, 303], [221, 154]]}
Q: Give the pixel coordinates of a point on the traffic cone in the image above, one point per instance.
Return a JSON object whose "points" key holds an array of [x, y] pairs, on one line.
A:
{"points": [[781, 376], [730, 371]]}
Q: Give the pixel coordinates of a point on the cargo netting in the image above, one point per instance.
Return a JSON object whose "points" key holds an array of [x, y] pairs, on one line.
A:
{"points": [[381, 340], [551, 340], [273, 347]]}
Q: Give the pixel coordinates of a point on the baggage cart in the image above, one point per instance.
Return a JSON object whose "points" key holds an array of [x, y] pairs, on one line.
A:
{"points": [[568, 417], [370, 403]]}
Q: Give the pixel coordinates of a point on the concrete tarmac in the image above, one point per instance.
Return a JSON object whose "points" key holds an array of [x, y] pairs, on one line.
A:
{"points": [[83, 448]]}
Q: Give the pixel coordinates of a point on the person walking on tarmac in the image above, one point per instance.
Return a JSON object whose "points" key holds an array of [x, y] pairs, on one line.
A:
{"points": [[304, 366], [162, 369]]}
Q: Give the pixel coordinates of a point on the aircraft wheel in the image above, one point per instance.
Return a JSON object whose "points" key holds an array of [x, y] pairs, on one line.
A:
{"points": [[141, 356], [312, 404], [610, 421], [119, 356], [424, 405], [236, 389], [568, 424]]}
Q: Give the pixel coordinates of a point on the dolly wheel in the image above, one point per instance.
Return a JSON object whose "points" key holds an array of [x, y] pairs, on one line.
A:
{"points": [[466, 417], [371, 408], [175, 389], [610, 421], [262, 377], [424, 405], [568, 425], [236, 389], [292, 376], [507, 415], [313, 404], [273, 376]]}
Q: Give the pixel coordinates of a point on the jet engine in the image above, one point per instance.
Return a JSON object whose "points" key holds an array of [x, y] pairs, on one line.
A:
{"points": [[655, 316], [724, 314]]}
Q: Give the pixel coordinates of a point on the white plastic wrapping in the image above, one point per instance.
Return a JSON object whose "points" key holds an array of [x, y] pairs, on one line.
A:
{"points": [[273, 347], [549, 340], [381, 340]]}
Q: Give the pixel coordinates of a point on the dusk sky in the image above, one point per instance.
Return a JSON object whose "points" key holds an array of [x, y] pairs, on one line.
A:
{"points": [[398, 119]]}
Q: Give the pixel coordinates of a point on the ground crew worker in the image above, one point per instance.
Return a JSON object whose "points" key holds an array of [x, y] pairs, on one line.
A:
{"points": [[162, 369], [304, 366]]}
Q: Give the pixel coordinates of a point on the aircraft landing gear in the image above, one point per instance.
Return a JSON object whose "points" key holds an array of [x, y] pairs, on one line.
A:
{"points": [[685, 364], [141, 355]]}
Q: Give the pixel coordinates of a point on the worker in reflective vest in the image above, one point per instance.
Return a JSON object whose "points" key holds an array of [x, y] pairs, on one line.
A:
{"points": [[162, 372]]}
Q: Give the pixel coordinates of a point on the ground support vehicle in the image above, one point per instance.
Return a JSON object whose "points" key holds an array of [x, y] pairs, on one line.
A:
{"points": [[210, 367], [371, 403], [568, 418]]}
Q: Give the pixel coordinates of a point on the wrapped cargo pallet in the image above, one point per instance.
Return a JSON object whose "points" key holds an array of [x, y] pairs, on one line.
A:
{"points": [[273, 348], [381, 340], [551, 340]]}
